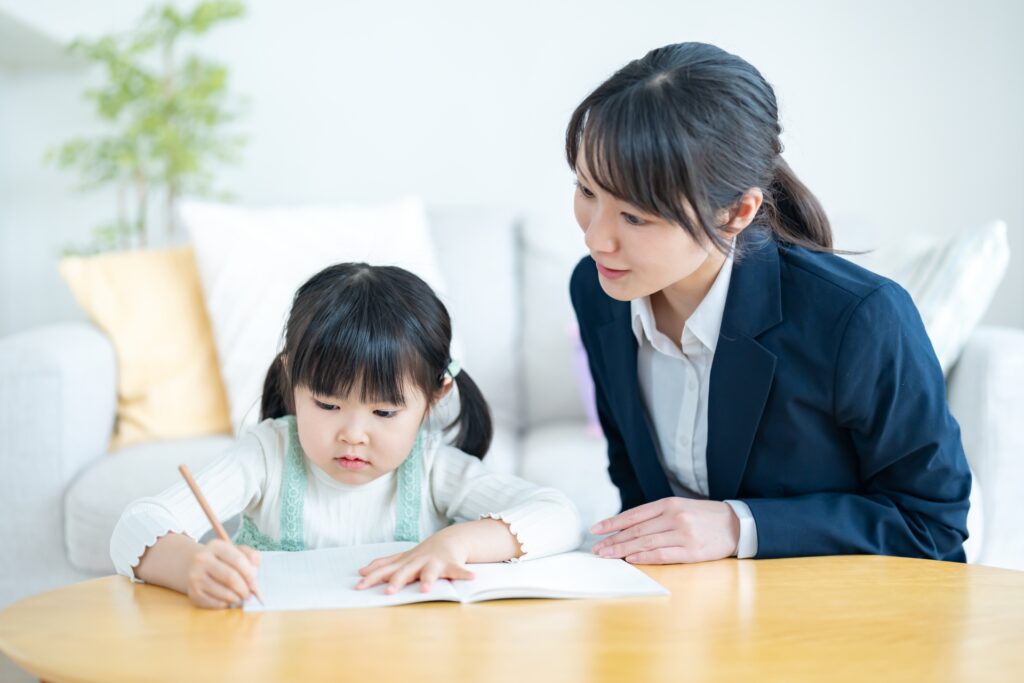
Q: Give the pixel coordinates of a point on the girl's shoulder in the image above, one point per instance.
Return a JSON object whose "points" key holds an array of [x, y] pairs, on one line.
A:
{"points": [[272, 437]]}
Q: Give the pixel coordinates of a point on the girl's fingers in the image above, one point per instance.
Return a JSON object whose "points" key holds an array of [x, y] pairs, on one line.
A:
{"points": [[380, 561], [643, 544], [377, 576], [430, 574], [216, 595], [251, 554], [628, 518], [229, 578], [458, 571], [238, 561], [652, 526], [407, 573]]}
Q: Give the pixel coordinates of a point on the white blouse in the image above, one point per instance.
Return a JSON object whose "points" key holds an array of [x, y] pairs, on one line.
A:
{"points": [[674, 383], [247, 479]]}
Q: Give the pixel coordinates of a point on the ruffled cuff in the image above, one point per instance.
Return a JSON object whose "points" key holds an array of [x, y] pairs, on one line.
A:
{"points": [[542, 527], [140, 527]]}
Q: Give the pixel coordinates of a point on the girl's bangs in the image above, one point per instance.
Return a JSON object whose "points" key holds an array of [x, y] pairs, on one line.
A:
{"points": [[355, 358]]}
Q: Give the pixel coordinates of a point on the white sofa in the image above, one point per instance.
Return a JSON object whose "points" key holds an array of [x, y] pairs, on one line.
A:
{"points": [[507, 282]]}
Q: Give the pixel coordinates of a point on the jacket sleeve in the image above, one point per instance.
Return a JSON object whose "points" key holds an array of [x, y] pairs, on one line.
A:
{"points": [[890, 400], [620, 469]]}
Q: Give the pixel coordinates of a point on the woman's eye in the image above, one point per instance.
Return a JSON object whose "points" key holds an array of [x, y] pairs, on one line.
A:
{"points": [[385, 413], [584, 191], [324, 406], [633, 220]]}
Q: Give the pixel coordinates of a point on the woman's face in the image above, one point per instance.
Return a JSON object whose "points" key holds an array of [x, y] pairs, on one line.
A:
{"points": [[637, 254]]}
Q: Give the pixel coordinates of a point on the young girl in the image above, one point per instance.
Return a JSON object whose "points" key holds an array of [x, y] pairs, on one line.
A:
{"points": [[761, 396], [345, 455]]}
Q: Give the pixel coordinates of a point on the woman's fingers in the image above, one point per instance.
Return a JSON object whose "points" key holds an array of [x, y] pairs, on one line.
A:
{"points": [[651, 526], [626, 519], [666, 555], [641, 544]]}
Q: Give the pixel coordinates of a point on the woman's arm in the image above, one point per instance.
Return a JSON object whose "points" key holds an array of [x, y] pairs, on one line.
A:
{"points": [[890, 396]]}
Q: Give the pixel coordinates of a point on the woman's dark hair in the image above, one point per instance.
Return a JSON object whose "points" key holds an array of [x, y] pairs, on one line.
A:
{"points": [[693, 124], [371, 328]]}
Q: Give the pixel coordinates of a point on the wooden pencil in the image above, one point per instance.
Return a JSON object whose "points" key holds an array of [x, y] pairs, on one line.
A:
{"points": [[218, 528]]}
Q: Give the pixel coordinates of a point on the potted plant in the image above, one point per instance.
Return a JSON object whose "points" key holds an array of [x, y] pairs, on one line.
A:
{"points": [[167, 113]]}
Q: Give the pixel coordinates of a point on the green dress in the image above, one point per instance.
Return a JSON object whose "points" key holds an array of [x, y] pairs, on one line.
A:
{"points": [[293, 495]]}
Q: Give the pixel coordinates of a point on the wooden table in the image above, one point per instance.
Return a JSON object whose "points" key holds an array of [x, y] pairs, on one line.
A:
{"points": [[809, 619]]}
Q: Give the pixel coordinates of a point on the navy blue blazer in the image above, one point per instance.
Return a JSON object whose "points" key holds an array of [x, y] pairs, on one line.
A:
{"points": [[827, 408]]}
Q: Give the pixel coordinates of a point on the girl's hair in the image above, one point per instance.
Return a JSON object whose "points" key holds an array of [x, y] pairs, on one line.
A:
{"points": [[693, 124], [371, 328]]}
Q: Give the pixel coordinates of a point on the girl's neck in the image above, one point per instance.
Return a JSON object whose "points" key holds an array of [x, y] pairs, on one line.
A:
{"points": [[674, 305]]}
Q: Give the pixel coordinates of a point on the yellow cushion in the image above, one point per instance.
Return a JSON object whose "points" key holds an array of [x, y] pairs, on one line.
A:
{"points": [[150, 304]]}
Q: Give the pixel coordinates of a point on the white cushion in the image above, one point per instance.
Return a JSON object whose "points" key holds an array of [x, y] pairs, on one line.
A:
{"points": [[952, 281], [568, 457], [479, 257], [550, 252], [95, 500], [252, 260]]}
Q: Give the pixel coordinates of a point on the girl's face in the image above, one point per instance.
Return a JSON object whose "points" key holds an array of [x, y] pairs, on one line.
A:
{"points": [[356, 442], [637, 254]]}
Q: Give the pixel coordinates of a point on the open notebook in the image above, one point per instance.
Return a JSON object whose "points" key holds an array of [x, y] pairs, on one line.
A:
{"points": [[325, 579]]}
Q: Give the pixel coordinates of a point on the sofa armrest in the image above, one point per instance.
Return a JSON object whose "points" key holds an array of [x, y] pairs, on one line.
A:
{"points": [[57, 406], [986, 395]]}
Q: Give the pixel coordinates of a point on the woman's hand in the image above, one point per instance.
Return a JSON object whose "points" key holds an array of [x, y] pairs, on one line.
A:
{"points": [[670, 531], [221, 574], [442, 556]]}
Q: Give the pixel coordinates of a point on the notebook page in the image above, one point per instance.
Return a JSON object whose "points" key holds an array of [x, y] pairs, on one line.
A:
{"points": [[569, 575], [326, 579]]}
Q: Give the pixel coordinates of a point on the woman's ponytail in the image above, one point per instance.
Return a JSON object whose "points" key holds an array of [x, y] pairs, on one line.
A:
{"points": [[794, 213], [274, 402], [476, 428]]}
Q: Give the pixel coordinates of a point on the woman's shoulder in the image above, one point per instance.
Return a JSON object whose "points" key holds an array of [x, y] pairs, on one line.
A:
{"points": [[835, 274], [833, 290]]}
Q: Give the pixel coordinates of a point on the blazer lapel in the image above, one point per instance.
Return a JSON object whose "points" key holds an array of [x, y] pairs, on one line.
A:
{"points": [[743, 370], [619, 352]]}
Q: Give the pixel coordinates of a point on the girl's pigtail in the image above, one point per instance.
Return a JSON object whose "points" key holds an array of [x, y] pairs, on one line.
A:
{"points": [[274, 402], [474, 420]]}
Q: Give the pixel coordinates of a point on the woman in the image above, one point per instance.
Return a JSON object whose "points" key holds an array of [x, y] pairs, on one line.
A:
{"points": [[761, 396]]}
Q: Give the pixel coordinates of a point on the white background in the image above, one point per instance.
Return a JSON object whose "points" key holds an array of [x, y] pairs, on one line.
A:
{"points": [[900, 116]]}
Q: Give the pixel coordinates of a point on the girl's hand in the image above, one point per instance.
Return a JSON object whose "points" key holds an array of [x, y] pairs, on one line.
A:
{"points": [[670, 531], [221, 574], [443, 555]]}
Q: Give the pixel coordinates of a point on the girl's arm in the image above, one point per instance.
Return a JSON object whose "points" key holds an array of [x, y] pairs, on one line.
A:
{"points": [[542, 521], [214, 575], [154, 539], [510, 518]]}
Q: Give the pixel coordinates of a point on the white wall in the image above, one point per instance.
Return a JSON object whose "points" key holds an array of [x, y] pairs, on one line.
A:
{"points": [[902, 116]]}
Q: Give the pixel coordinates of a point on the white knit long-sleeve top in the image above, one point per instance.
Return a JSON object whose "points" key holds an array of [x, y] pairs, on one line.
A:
{"points": [[247, 479]]}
